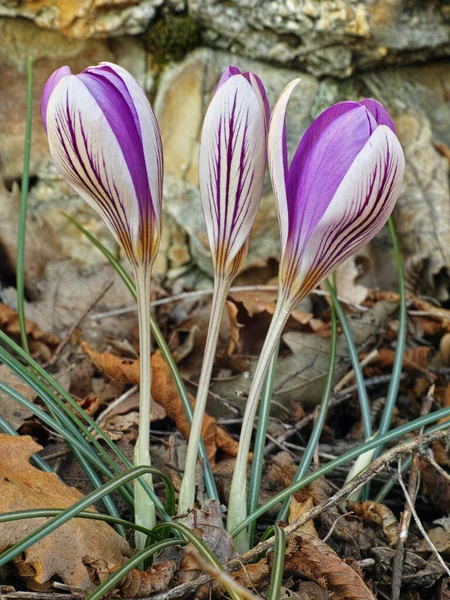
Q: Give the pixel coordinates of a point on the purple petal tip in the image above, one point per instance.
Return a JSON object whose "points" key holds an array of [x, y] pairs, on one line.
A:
{"points": [[52, 82]]}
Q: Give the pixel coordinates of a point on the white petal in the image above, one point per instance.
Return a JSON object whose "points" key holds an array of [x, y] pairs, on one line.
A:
{"points": [[87, 154], [277, 159], [232, 163]]}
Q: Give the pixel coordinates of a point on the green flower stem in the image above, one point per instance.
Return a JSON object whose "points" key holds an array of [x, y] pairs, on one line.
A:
{"points": [[165, 351], [260, 442], [187, 493], [394, 385], [276, 576], [320, 421], [72, 512], [357, 370], [345, 458], [237, 507], [144, 509], [20, 276]]}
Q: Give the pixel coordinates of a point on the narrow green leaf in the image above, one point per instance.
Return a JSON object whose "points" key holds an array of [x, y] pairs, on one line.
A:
{"points": [[321, 417], [276, 575], [165, 351], [20, 275], [260, 442], [347, 457]]}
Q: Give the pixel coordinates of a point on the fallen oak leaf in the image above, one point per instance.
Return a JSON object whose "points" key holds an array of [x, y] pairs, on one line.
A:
{"points": [[136, 584], [60, 554], [316, 560], [377, 514], [9, 323], [165, 393]]}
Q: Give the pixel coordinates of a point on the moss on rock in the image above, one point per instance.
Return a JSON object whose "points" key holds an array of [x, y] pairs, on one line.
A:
{"points": [[172, 37]]}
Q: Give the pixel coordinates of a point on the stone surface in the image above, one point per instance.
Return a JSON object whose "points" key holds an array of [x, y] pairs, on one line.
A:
{"points": [[83, 19], [327, 37], [49, 51]]}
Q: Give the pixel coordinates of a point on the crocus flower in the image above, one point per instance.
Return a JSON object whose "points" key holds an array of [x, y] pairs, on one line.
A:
{"points": [[105, 142], [232, 164], [335, 196]]}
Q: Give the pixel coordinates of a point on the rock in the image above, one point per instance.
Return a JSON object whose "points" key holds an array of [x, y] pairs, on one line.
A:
{"points": [[88, 18], [184, 93], [327, 37], [49, 51]]}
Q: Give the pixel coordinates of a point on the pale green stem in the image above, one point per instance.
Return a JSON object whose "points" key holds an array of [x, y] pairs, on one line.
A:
{"points": [[144, 509], [187, 492], [237, 507]]}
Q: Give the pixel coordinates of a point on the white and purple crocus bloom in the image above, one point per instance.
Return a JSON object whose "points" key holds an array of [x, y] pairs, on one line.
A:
{"points": [[334, 197], [105, 142], [232, 164]]}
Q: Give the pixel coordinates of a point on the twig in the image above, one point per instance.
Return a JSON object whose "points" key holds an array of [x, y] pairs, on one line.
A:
{"points": [[351, 374], [221, 577], [200, 293], [358, 482], [102, 416], [413, 487], [419, 522], [334, 402], [63, 343]]}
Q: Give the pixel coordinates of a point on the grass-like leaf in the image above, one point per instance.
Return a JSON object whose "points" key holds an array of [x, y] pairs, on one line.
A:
{"points": [[347, 457], [165, 351], [260, 442], [276, 576], [321, 417], [20, 274], [74, 510]]}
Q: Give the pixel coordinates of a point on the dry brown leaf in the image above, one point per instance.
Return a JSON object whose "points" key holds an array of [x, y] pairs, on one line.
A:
{"points": [[165, 393], [437, 485], [233, 344], [297, 509], [309, 590], [444, 349], [317, 561], [415, 359], [137, 584], [11, 410], [346, 280], [61, 553], [9, 323], [256, 302], [377, 514]]}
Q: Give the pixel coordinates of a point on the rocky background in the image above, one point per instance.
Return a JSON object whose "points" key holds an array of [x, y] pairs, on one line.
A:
{"points": [[397, 51]]}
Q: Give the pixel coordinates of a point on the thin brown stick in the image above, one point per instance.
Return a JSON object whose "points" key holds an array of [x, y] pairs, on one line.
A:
{"points": [[63, 343], [334, 402], [358, 482], [405, 521], [200, 293], [340, 385]]}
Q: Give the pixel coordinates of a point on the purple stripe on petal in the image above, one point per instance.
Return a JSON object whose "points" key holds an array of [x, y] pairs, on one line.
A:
{"points": [[52, 82], [123, 122], [229, 72], [329, 159], [380, 114]]}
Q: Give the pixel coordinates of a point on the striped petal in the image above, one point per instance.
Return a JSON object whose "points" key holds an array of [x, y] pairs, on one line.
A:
{"points": [[88, 155], [380, 114], [51, 84], [278, 159], [104, 140], [232, 163], [360, 207]]}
